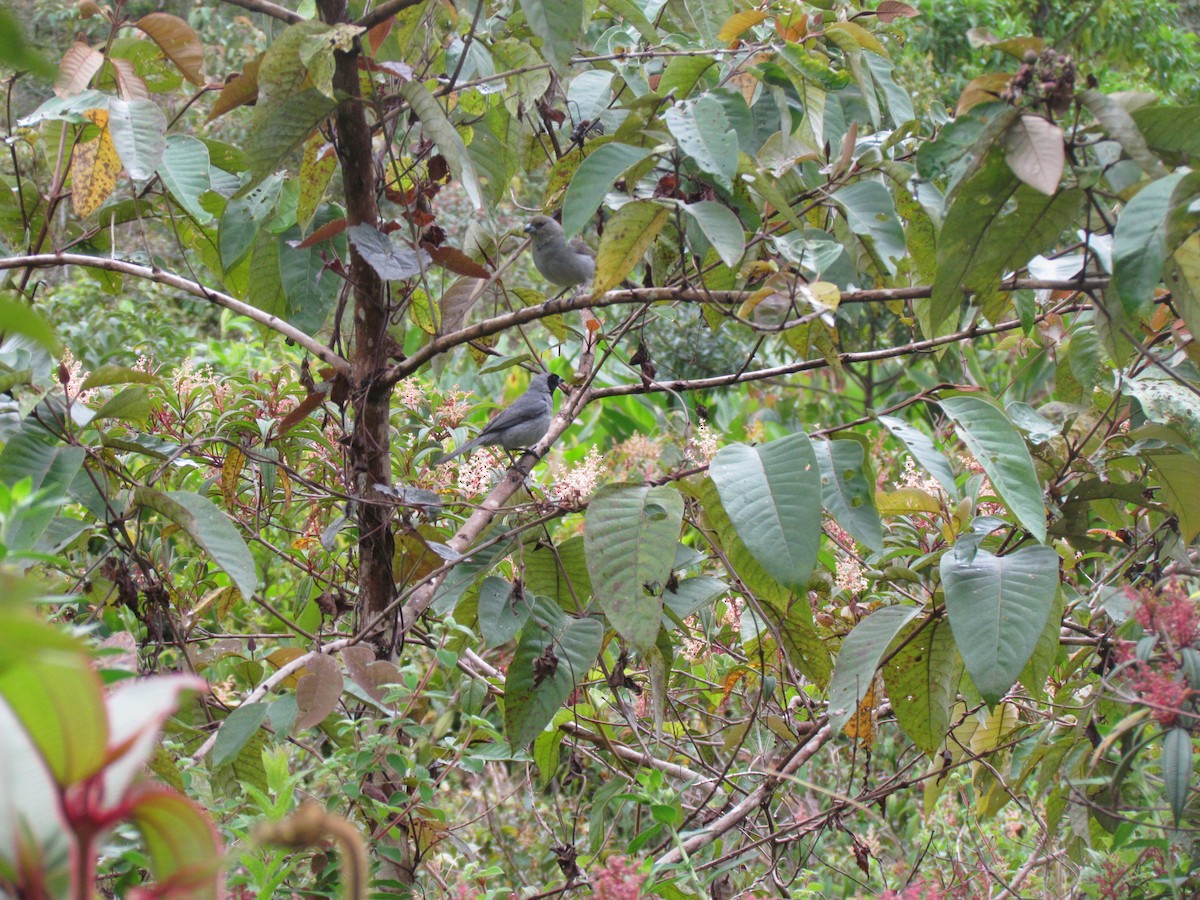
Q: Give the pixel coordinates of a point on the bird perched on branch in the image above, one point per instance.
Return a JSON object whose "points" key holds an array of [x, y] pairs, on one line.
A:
{"points": [[563, 263], [520, 425]]}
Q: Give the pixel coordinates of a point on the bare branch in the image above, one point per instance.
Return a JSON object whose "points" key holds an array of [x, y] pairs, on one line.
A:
{"points": [[385, 11], [57, 260], [267, 8]]}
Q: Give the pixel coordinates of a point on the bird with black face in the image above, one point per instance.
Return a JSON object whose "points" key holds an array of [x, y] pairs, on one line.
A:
{"points": [[563, 263], [521, 424]]}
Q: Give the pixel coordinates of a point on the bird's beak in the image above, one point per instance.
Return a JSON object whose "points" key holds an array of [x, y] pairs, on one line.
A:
{"points": [[530, 229]]}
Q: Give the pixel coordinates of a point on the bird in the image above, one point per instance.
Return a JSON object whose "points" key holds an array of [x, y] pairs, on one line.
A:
{"points": [[520, 425], [564, 264]]}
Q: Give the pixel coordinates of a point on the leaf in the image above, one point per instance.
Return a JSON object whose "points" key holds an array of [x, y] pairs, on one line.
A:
{"points": [[1168, 402], [1119, 123], [704, 133], [771, 494], [553, 655], [1177, 763], [316, 169], [858, 659], [1033, 149], [16, 50], [369, 673], [209, 528], [923, 450], [986, 234], [78, 66], [559, 24], [177, 40], [449, 142], [1139, 246], [1171, 129], [318, 691], [681, 75], [136, 712], [630, 534], [502, 613], [130, 405], [184, 169], [1179, 474], [890, 10], [181, 841], [629, 234], [594, 179], [241, 90], [1000, 449], [871, 214], [847, 492], [921, 680], [390, 262], [239, 726], [721, 227], [738, 23], [138, 133], [998, 606], [279, 128], [94, 168], [18, 317]]}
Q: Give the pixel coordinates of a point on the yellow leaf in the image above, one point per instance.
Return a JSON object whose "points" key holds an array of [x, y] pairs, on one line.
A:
{"points": [[94, 168], [628, 235], [906, 500], [177, 41], [860, 36], [982, 90], [862, 723], [738, 23], [235, 459]]}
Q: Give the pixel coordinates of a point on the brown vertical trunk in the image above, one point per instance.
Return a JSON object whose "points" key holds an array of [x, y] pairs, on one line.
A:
{"points": [[370, 458]]}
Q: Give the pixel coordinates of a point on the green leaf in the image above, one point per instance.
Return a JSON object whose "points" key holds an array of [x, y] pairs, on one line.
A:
{"points": [[1168, 402], [17, 51], [553, 655], [1120, 124], [209, 528], [238, 727], [184, 170], [629, 234], [858, 659], [705, 135], [138, 129], [559, 24], [1177, 764], [1139, 246], [593, 179], [681, 75], [994, 224], [924, 452], [558, 571], [18, 317], [847, 491], [921, 681], [281, 127], [772, 495], [871, 215], [1002, 452], [130, 405], [1172, 129], [181, 841], [998, 606], [445, 135], [1179, 474], [721, 227], [50, 469], [630, 533], [502, 613]]}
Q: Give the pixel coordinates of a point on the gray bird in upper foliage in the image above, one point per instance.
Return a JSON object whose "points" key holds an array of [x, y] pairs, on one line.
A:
{"points": [[562, 263], [520, 425]]}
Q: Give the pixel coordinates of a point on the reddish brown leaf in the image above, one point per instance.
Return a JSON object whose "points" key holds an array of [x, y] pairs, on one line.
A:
{"points": [[301, 412], [1033, 149], [176, 39], [129, 82], [368, 673], [327, 231], [456, 261], [318, 692], [377, 35], [890, 10], [241, 90], [79, 64]]}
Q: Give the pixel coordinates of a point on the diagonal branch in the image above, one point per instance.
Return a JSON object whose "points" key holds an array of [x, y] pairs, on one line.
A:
{"points": [[194, 288], [267, 8]]}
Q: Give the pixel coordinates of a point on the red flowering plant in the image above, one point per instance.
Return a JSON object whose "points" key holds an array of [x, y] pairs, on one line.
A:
{"points": [[1158, 673]]}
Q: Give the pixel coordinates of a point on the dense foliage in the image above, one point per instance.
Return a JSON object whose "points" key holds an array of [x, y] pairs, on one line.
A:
{"points": [[860, 557]]}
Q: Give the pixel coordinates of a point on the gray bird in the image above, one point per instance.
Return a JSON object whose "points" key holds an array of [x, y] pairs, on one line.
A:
{"points": [[522, 424], [561, 263]]}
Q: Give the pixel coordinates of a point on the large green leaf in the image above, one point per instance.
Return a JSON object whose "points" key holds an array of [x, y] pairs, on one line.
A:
{"points": [[183, 846], [239, 726], [184, 170], [871, 214], [1168, 402], [847, 491], [443, 133], [209, 528], [626, 239], [553, 655], [559, 24], [921, 446], [630, 532], [721, 227], [1179, 474], [593, 179], [1178, 759], [772, 495], [921, 681], [994, 224], [50, 469], [858, 659], [279, 128], [1139, 246], [998, 606], [138, 129], [502, 611], [1000, 449], [705, 135]]}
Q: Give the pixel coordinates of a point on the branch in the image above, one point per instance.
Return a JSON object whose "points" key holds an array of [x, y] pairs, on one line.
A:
{"points": [[582, 301], [267, 8], [385, 11], [57, 260]]}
